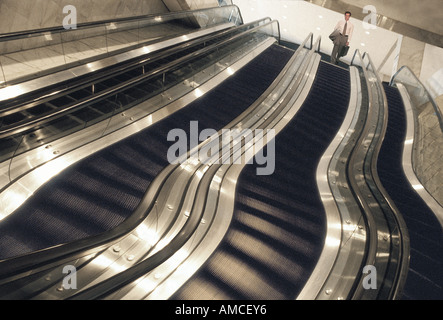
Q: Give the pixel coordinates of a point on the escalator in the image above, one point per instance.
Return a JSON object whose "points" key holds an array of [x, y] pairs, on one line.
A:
{"points": [[110, 184], [97, 96], [424, 282], [138, 227], [278, 228]]}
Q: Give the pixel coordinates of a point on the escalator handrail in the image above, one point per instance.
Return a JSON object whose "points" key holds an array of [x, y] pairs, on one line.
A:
{"points": [[372, 238], [169, 15], [437, 110], [38, 121], [183, 44], [97, 291], [309, 39], [77, 247], [403, 258], [46, 258], [317, 44]]}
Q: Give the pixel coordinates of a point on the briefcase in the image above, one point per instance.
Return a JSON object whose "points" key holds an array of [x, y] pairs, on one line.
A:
{"points": [[344, 51]]}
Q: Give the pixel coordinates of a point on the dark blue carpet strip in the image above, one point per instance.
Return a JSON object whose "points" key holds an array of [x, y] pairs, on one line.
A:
{"points": [[425, 279], [279, 224], [100, 192]]}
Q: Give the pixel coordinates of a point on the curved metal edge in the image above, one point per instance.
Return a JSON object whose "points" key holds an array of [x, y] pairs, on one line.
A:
{"points": [[42, 119], [154, 16], [15, 90], [352, 250], [382, 254], [434, 104], [435, 207], [358, 173], [399, 235], [386, 228], [180, 237], [225, 211], [74, 156], [147, 281], [334, 229]]}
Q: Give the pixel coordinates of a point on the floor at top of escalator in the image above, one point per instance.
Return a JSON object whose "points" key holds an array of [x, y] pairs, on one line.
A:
{"points": [[324, 57]]}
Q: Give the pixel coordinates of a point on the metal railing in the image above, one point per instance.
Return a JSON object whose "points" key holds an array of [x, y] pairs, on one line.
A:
{"points": [[382, 219], [95, 40], [194, 218], [427, 148], [184, 76]]}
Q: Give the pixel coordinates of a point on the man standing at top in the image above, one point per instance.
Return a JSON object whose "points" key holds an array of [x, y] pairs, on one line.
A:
{"points": [[345, 27]]}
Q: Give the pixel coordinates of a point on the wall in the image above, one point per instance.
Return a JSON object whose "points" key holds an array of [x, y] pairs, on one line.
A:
{"points": [[422, 14], [178, 5], [19, 15], [298, 18], [431, 72], [388, 50]]}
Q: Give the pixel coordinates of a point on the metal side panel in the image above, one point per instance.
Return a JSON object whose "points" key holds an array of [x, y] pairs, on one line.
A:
{"points": [[25, 186], [190, 170], [407, 157], [13, 91], [225, 180], [337, 232], [195, 173]]}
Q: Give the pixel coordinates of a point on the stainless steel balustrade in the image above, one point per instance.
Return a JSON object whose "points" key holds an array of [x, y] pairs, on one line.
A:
{"points": [[389, 233], [187, 235], [364, 226], [195, 173], [224, 67], [22, 162], [333, 276], [424, 142], [63, 49], [385, 230]]}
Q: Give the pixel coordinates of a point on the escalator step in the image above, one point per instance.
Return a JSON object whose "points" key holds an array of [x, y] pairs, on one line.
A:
{"points": [[42, 221], [281, 213], [425, 279]]}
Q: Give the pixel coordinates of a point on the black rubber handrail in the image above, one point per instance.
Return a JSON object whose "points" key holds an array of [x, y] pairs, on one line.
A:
{"points": [[399, 255], [375, 203], [38, 121], [104, 288], [52, 93], [169, 15], [66, 252], [54, 256]]}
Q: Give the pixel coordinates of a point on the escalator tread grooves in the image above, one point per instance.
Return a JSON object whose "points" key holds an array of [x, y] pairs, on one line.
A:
{"points": [[145, 151], [296, 146], [424, 279]]}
